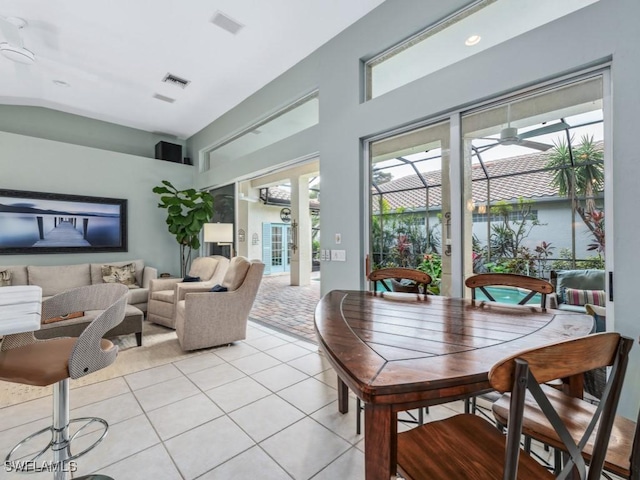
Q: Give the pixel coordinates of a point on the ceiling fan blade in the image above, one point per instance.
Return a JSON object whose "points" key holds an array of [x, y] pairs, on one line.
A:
{"points": [[11, 31], [535, 145], [556, 127]]}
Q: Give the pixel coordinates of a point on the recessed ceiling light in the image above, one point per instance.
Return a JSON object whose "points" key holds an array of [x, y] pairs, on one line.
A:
{"points": [[472, 40], [61, 83]]}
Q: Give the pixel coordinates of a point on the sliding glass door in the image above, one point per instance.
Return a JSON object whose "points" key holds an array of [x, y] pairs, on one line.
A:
{"points": [[529, 175]]}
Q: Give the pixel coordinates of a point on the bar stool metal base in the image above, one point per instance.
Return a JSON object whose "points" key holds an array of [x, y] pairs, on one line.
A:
{"points": [[59, 443]]}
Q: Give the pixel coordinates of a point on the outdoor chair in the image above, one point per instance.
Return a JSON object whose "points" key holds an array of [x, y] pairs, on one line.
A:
{"points": [[480, 281], [27, 360], [467, 446]]}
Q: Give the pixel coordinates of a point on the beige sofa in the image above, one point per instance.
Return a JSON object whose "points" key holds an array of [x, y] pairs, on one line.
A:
{"points": [[58, 279], [164, 293], [208, 319]]}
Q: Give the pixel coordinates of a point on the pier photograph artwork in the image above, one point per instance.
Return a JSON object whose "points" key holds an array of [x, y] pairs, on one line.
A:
{"points": [[35, 222]]}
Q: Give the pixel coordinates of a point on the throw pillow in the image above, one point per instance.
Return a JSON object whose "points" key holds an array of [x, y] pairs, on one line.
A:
{"points": [[189, 278], [218, 288], [580, 297], [66, 316], [126, 274], [5, 278], [238, 268]]}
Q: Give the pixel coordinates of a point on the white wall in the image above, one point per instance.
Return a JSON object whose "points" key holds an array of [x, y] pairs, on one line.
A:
{"points": [[606, 30], [35, 164]]}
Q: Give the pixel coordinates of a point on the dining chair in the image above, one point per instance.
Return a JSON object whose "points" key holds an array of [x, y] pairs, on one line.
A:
{"points": [[467, 446], [623, 453], [530, 286], [396, 274]]}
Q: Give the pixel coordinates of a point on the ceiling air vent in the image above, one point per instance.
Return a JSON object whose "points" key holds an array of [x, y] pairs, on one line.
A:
{"points": [[177, 81], [163, 98], [227, 23]]}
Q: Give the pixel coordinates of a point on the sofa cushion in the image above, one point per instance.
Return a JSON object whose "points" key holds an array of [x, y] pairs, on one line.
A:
{"points": [[125, 274], [578, 279], [58, 279], [575, 296], [18, 274], [163, 295], [203, 267], [96, 270], [5, 278], [238, 268]]}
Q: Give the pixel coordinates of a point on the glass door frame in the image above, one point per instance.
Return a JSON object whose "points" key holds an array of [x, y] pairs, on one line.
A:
{"points": [[456, 172]]}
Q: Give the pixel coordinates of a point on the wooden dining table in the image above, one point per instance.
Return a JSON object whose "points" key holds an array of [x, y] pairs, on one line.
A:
{"points": [[399, 351]]}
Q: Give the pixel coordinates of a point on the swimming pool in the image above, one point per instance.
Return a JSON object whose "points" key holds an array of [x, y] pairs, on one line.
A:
{"points": [[511, 295]]}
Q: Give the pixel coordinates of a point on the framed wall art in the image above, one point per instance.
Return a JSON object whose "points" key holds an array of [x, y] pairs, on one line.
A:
{"points": [[36, 222]]}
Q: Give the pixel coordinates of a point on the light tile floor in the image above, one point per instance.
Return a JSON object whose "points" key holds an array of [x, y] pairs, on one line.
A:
{"points": [[263, 408]]}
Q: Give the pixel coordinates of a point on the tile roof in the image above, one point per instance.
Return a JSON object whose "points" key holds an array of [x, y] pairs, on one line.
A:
{"points": [[509, 181], [281, 196]]}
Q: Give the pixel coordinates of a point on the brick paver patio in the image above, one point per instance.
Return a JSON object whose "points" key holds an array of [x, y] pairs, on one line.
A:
{"points": [[285, 307]]}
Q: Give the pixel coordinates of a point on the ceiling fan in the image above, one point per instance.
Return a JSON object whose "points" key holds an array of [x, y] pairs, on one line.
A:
{"points": [[510, 136], [13, 46]]}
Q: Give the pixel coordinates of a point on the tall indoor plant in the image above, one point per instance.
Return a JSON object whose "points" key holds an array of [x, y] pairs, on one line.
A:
{"points": [[187, 212]]}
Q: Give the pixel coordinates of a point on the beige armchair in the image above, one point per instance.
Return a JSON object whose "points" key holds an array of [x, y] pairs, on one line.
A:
{"points": [[207, 319], [164, 293]]}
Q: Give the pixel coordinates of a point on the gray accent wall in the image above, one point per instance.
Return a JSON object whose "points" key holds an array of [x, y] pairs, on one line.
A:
{"points": [[602, 32], [42, 165], [77, 130]]}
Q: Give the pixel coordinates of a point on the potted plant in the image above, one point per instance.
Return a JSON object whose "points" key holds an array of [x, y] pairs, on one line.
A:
{"points": [[187, 212]]}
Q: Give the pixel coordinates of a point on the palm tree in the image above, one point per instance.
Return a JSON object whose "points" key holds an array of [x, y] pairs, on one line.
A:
{"points": [[579, 174]]}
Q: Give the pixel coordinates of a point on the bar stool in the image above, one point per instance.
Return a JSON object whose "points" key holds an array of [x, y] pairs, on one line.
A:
{"points": [[27, 360]]}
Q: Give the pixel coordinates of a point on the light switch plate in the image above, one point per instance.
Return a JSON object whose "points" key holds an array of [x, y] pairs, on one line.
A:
{"points": [[339, 255]]}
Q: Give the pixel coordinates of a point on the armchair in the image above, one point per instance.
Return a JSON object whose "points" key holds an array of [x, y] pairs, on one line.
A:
{"points": [[207, 319], [165, 292]]}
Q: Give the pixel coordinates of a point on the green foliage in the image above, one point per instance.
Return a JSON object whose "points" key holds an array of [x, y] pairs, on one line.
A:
{"points": [[582, 182], [432, 264], [567, 261], [187, 212], [507, 237], [400, 239]]}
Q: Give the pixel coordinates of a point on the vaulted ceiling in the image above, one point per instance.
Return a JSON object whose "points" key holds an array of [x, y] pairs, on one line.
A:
{"points": [[106, 59]]}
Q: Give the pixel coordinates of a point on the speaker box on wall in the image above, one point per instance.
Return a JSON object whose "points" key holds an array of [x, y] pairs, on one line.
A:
{"points": [[169, 151]]}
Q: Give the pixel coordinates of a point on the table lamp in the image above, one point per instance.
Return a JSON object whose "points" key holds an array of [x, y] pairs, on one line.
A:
{"points": [[220, 233]]}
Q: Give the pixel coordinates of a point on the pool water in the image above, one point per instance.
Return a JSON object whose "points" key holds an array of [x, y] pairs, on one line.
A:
{"points": [[508, 295]]}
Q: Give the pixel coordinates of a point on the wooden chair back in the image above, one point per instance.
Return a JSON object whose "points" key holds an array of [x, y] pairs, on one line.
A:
{"points": [[534, 285], [526, 370], [398, 273]]}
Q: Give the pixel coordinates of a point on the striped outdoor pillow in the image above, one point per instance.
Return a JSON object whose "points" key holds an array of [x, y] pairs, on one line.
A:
{"points": [[580, 297]]}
